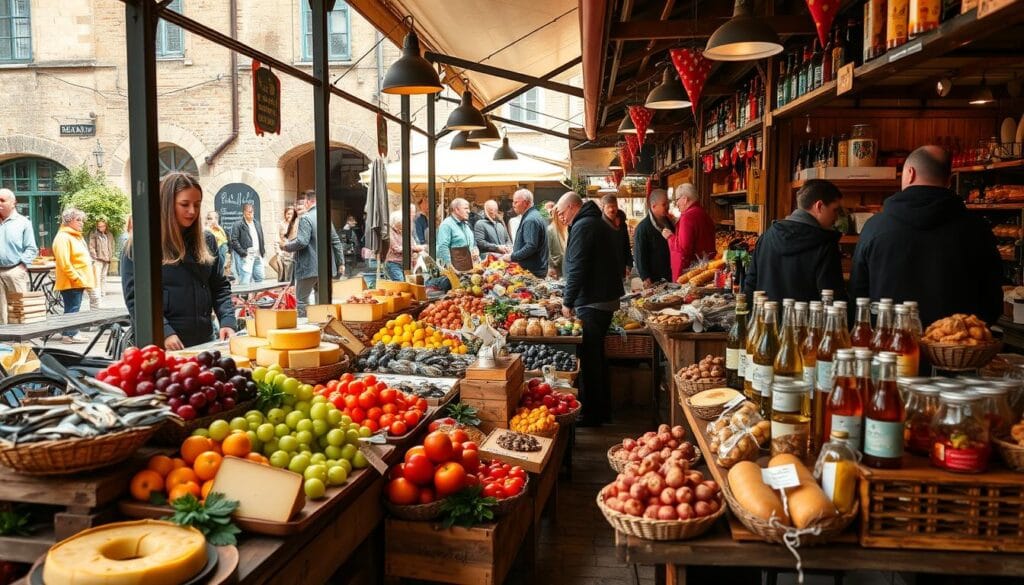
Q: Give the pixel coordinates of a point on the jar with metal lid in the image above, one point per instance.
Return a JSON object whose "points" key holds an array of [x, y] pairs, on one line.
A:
{"points": [[904, 383], [960, 440], [922, 404], [995, 408], [1015, 393], [951, 385], [790, 417]]}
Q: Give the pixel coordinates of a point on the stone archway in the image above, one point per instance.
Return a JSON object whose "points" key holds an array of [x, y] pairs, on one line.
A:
{"points": [[19, 145], [293, 143], [169, 134]]}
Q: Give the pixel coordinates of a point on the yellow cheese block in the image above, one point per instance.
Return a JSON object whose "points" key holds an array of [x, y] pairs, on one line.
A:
{"points": [[343, 289], [306, 337], [245, 345], [325, 355], [362, 312], [242, 361], [267, 319], [395, 286], [322, 313], [263, 492], [144, 552], [265, 356]]}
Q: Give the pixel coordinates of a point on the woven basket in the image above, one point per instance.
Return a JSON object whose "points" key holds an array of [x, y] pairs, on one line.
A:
{"points": [[671, 328], [475, 435], [506, 505], [1012, 453], [659, 529], [550, 433], [365, 330], [635, 346], [688, 388], [570, 417], [173, 432], [318, 375], [68, 456], [416, 513], [830, 528], [951, 357], [618, 465], [705, 412]]}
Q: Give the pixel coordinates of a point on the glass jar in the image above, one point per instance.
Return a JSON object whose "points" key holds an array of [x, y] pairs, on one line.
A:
{"points": [[904, 383], [922, 404], [1015, 393], [863, 146], [960, 439], [995, 408], [836, 471], [790, 417]]}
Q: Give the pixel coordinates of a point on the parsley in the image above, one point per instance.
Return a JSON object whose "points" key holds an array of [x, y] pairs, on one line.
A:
{"points": [[14, 523], [267, 396], [212, 518], [468, 508], [464, 414]]}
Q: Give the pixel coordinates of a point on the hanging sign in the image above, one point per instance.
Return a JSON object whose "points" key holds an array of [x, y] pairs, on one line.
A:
{"points": [[382, 135], [266, 100], [844, 79], [78, 129]]}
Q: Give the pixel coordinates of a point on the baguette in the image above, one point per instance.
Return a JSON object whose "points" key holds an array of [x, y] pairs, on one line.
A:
{"points": [[808, 503], [753, 494]]}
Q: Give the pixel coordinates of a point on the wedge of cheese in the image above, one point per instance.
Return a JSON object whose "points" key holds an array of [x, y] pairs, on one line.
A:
{"points": [[263, 492], [245, 345], [324, 355], [322, 313], [267, 319], [305, 337], [267, 356]]}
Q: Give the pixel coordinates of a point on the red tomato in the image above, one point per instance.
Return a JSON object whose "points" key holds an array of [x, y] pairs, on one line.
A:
{"points": [[438, 446], [398, 428], [403, 492], [351, 401], [356, 387], [388, 395], [386, 420], [367, 399], [426, 495], [390, 408], [397, 471], [373, 413], [412, 418], [401, 403], [381, 386], [338, 401], [492, 490], [417, 450], [419, 469], [456, 452], [421, 404], [347, 376], [343, 386], [459, 435], [372, 425], [332, 385], [467, 445], [370, 380], [441, 421], [472, 480], [357, 414], [498, 472], [470, 459], [449, 478], [512, 486], [517, 471]]}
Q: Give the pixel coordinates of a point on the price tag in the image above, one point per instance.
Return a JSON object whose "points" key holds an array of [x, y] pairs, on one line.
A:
{"points": [[844, 79], [734, 402], [378, 438], [373, 456], [780, 477]]}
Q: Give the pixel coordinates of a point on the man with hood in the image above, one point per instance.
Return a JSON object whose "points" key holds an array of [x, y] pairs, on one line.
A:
{"points": [[925, 246], [593, 285], [650, 248], [616, 219], [799, 256]]}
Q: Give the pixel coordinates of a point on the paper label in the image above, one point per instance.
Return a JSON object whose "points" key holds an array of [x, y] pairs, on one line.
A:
{"points": [[809, 374], [825, 373], [373, 456], [739, 398], [828, 479], [762, 380], [853, 427], [749, 368], [786, 401], [732, 359], [780, 477], [883, 438], [741, 366]]}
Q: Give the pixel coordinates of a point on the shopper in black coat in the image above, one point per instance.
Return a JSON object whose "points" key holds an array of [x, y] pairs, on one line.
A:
{"points": [[650, 248], [530, 249], [798, 257], [925, 246]]}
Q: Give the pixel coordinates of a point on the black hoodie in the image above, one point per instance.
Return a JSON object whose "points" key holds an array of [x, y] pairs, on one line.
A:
{"points": [[927, 246], [592, 267], [795, 259]]}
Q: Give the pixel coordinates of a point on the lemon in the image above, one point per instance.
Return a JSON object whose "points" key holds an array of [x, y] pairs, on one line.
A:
{"points": [[406, 344], [417, 343]]}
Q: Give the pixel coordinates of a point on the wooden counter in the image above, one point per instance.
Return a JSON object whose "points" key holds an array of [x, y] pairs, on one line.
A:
{"points": [[681, 350]]}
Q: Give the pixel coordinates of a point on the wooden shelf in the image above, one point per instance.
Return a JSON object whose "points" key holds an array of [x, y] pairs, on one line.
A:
{"points": [[858, 184], [26, 549], [729, 194], [807, 101], [726, 222], [995, 206], [733, 136], [1008, 164]]}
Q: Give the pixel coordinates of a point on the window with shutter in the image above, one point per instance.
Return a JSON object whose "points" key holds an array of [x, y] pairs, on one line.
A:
{"points": [[338, 43], [15, 31], [525, 107], [170, 39]]}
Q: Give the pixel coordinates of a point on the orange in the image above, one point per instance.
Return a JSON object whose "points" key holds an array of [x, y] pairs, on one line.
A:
{"points": [[179, 476], [193, 446], [207, 486], [145, 483], [237, 444], [161, 464], [189, 487], [178, 463], [258, 458], [207, 465]]}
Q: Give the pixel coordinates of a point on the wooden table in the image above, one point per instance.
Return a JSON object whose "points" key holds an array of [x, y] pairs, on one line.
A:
{"points": [[41, 278], [684, 349], [104, 318]]}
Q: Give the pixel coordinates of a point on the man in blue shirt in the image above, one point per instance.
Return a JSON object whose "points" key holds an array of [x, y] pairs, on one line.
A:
{"points": [[17, 250], [455, 232]]}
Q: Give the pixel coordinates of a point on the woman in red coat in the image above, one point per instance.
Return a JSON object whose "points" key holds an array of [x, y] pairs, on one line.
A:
{"points": [[694, 238]]}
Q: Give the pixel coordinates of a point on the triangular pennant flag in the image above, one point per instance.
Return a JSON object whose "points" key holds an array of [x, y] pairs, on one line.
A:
{"points": [[625, 156], [693, 71], [628, 163], [823, 12], [617, 177], [633, 144], [641, 117]]}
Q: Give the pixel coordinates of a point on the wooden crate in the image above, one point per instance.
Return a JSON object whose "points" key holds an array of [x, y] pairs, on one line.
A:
{"points": [[481, 555], [920, 506], [495, 401], [505, 368]]}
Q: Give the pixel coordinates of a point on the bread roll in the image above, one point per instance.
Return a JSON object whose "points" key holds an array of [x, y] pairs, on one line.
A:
{"points": [[808, 503], [753, 494]]}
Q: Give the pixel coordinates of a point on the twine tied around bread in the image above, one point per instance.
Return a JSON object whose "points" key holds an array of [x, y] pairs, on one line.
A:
{"points": [[791, 536]]}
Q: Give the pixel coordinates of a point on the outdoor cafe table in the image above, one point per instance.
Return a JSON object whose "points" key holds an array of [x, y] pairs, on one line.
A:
{"points": [[41, 278]]}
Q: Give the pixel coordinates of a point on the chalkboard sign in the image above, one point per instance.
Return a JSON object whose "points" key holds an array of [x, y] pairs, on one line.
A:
{"points": [[266, 100], [229, 201]]}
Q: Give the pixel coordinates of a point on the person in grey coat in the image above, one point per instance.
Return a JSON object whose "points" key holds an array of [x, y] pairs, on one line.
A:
{"points": [[305, 260], [490, 234]]}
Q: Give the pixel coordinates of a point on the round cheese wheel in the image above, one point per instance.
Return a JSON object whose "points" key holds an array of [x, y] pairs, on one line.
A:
{"points": [[306, 337]]}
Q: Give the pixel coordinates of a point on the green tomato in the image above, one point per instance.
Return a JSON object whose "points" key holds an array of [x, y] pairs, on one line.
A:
{"points": [[305, 392], [315, 471], [333, 452], [315, 488], [336, 437], [304, 437], [280, 459], [276, 416], [320, 428], [349, 451], [239, 424], [219, 430], [318, 411], [336, 475], [265, 432], [304, 425], [346, 465], [299, 463], [282, 430], [359, 461], [288, 443], [258, 373], [293, 418]]}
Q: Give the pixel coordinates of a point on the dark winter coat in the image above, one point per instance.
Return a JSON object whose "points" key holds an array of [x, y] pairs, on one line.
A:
{"points": [[650, 252], [305, 248], [927, 246], [240, 239], [531, 247], [589, 275], [490, 234], [795, 259]]}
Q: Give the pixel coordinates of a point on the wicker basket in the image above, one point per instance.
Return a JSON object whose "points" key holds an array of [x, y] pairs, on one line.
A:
{"points": [[688, 388], [659, 529], [68, 456], [671, 328], [618, 465], [1012, 453], [172, 432], [705, 412], [829, 529], [506, 505], [570, 417], [365, 330], [550, 433], [952, 357], [417, 513], [630, 346], [318, 375]]}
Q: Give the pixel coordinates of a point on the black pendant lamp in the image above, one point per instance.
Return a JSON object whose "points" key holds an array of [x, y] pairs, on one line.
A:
{"points": [[982, 95], [505, 151], [669, 95], [488, 134], [461, 142], [744, 37], [466, 116], [626, 126], [616, 164], [411, 74]]}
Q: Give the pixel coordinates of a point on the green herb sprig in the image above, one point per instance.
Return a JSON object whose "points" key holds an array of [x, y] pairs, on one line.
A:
{"points": [[212, 518], [468, 508], [14, 523]]}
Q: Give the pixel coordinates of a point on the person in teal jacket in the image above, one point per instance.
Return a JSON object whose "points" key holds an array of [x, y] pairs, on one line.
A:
{"points": [[454, 232]]}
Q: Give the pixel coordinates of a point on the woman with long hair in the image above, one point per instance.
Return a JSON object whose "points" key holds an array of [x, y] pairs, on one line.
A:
{"points": [[194, 286], [558, 235], [286, 230]]}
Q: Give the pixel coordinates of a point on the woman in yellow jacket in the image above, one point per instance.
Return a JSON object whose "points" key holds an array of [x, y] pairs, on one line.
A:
{"points": [[74, 265]]}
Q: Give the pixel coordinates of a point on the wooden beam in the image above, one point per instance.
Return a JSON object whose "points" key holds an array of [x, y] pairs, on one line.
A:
{"points": [[613, 71], [594, 41], [504, 73], [540, 129], [644, 30], [666, 12]]}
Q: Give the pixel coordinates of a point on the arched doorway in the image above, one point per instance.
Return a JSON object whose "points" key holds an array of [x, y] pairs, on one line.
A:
{"points": [[348, 196], [175, 158], [33, 181]]}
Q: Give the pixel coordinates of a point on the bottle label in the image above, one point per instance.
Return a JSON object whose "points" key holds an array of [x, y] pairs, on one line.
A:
{"points": [[907, 365], [732, 359], [786, 401], [883, 438], [825, 373], [762, 380], [968, 459], [741, 366], [809, 376], [749, 368], [853, 425]]}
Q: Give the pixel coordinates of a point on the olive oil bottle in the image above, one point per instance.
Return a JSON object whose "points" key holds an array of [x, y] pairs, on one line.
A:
{"points": [[764, 358]]}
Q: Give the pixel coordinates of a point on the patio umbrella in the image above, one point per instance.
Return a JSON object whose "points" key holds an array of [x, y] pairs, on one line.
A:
{"points": [[377, 228]]}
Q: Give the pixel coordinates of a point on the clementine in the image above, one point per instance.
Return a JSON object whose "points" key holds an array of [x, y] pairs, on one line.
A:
{"points": [[193, 446], [207, 486], [207, 464], [237, 444], [161, 464], [179, 476], [144, 483], [182, 489]]}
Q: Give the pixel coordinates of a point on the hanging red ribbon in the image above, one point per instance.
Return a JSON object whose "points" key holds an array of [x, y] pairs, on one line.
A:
{"points": [[641, 117], [823, 12], [693, 71]]}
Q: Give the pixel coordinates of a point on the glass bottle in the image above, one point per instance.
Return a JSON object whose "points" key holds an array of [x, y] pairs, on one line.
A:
{"points": [[789, 362], [824, 375], [827, 70], [915, 319], [793, 74], [780, 85], [836, 471], [922, 403], [862, 369], [790, 417], [861, 335], [960, 438], [841, 327], [883, 418], [736, 343], [843, 151], [800, 324], [844, 410], [874, 29], [817, 65], [896, 23], [805, 71], [923, 16], [838, 54], [809, 347], [904, 344], [764, 358], [755, 324], [827, 296], [883, 327], [995, 408]]}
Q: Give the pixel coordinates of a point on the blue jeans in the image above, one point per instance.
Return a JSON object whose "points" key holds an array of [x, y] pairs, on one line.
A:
{"points": [[242, 276], [72, 302], [394, 271], [370, 274]]}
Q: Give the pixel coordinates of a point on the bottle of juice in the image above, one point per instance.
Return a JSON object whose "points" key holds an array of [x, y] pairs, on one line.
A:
{"points": [[764, 358], [844, 410], [800, 322], [861, 335], [865, 386], [904, 344], [736, 343], [755, 325], [915, 319], [827, 295], [883, 418], [842, 331], [809, 346], [883, 327], [824, 375]]}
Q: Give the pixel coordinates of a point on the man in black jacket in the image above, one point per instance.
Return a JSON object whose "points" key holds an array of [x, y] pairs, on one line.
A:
{"points": [[245, 235], [489, 233], [650, 248], [593, 286], [925, 246], [799, 256], [531, 244], [616, 219]]}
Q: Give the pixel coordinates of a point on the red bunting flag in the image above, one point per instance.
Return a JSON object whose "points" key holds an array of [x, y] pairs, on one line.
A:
{"points": [[823, 12], [693, 71], [617, 177], [641, 117], [633, 144], [625, 156]]}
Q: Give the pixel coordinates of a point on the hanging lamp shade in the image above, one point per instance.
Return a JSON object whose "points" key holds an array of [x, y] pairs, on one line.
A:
{"points": [[669, 94], [488, 134], [411, 74], [627, 126], [744, 37], [461, 142], [505, 151], [466, 116], [616, 164], [982, 95]]}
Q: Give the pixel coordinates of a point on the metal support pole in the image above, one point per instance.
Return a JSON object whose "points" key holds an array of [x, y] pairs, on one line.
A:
{"points": [[431, 171], [140, 36], [322, 150], [406, 186]]}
